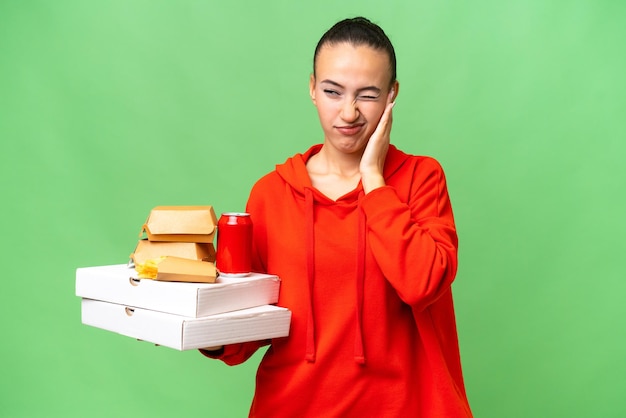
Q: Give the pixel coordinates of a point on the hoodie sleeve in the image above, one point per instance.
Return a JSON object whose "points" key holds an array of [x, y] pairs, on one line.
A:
{"points": [[414, 242], [234, 354]]}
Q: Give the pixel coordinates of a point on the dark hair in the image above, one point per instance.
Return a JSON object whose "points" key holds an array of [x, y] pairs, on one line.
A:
{"points": [[358, 31]]}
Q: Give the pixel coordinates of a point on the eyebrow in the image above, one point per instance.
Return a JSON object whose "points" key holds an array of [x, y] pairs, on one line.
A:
{"points": [[370, 88]]}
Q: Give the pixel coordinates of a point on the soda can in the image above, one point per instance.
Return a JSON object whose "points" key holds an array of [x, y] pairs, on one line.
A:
{"points": [[234, 244]]}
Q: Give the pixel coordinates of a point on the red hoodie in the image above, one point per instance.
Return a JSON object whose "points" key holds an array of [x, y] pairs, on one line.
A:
{"points": [[367, 278]]}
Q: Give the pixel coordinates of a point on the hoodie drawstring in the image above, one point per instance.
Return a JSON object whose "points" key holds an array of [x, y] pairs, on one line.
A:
{"points": [[359, 353], [310, 272]]}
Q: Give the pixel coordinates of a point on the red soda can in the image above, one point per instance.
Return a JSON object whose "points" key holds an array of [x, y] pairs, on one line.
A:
{"points": [[234, 244]]}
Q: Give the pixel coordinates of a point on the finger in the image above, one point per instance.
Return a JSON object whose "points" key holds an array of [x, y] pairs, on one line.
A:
{"points": [[382, 129], [387, 113], [384, 124], [387, 118]]}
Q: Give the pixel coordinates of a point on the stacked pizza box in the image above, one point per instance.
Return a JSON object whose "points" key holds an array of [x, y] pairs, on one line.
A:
{"points": [[184, 304]]}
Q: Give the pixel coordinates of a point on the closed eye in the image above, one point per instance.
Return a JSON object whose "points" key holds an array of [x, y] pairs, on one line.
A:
{"points": [[331, 92]]}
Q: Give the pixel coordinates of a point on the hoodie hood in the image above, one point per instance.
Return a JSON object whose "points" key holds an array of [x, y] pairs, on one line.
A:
{"points": [[294, 173]]}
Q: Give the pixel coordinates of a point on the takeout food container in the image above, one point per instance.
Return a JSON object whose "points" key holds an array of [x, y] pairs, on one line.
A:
{"points": [[184, 333], [182, 316], [147, 250], [196, 224], [176, 269], [121, 284]]}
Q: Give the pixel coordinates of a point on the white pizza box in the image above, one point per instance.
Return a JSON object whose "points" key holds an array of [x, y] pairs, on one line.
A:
{"points": [[120, 284], [185, 333]]}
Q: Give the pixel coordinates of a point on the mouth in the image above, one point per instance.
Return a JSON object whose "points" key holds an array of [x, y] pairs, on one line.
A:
{"points": [[350, 130]]}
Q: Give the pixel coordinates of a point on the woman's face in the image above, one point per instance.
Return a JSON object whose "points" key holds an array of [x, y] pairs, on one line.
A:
{"points": [[350, 89]]}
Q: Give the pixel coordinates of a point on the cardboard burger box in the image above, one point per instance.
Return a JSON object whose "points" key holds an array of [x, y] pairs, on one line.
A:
{"points": [[147, 250], [177, 269], [120, 284], [184, 333], [179, 244], [196, 224]]}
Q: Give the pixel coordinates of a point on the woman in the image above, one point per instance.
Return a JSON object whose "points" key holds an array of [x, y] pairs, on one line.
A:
{"points": [[363, 238]]}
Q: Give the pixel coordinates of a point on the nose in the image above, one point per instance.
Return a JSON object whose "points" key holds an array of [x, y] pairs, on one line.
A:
{"points": [[350, 111]]}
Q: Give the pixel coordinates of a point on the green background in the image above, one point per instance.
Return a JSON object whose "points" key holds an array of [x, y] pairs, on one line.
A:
{"points": [[109, 108]]}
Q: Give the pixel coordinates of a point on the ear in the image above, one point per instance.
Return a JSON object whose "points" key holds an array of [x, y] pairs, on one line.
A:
{"points": [[312, 88], [395, 86]]}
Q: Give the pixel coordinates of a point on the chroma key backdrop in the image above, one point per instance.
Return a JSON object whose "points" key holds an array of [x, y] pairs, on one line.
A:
{"points": [[110, 108]]}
